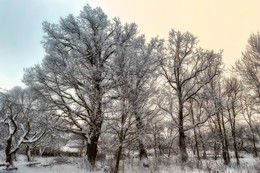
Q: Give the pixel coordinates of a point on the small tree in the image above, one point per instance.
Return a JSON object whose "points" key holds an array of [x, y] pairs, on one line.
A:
{"points": [[18, 115]]}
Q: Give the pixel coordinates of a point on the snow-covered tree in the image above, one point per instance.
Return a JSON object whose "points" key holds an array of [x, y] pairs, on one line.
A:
{"points": [[74, 75], [233, 107], [21, 121], [186, 70], [134, 74]]}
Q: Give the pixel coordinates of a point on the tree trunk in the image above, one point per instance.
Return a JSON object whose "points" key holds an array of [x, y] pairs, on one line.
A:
{"points": [[142, 151], [195, 135], [215, 151], [8, 154], [92, 149], [155, 146], [204, 156], [235, 146], [171, 143], [118, 158], [196, 145], [182, 142], [255, 153], [143, 154], [222, 139], [226, 148], [232, 120], [28, 153], [92, 146]]}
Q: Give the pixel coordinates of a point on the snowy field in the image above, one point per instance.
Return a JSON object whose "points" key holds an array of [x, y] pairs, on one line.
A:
{"points": [[77, 165]]}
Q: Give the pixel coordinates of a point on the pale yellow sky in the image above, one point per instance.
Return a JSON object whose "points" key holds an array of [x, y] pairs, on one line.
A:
{"points": [[219, 24]]}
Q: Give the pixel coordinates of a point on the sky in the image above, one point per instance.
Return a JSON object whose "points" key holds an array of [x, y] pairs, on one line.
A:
{"points": [[218, 24]]}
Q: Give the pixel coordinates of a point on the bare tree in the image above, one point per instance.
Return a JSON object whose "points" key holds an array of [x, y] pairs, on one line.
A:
{"points": [[232, 92], [248, 67], [248, 112], [133, 75], [216, 102], [186, 69], [21, 121]]}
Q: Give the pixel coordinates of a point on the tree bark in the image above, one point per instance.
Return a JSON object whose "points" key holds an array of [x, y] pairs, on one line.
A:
{"points": [[142, 150], [182, 142], [233, 133], [92, 149], [204, 156], [222, 139], [118, 158], [226, 148], [28, 153], [92, 146], [255, 152], [195, 135], [8, 154]]}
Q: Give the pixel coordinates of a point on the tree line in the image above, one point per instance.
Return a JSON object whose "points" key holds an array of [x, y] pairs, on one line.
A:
{"points": [[103, 82]]}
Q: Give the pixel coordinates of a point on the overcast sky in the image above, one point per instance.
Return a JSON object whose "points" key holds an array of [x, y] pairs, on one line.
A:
{"points": [[219, 25]]}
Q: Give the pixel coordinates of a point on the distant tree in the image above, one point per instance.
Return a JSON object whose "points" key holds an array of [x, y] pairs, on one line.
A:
{"points": [[217, 102], [232, 94], [248, 67], [249, 114], [186, 69]]}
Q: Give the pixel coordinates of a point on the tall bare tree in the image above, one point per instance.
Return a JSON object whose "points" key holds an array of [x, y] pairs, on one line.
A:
{"points": [[134, 73], [233, 93], [248, 68], [186, 69]]}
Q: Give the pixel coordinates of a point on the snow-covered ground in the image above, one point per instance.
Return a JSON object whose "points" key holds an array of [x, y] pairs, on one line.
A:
{"points": [[77, 165], [50, 165]]}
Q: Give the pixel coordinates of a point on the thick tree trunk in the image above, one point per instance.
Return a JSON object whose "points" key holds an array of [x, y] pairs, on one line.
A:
{"points": [[92, 149], [182, 145], [8, 154], [182, 142], [92, 145], [142, 151], [118, 158]]}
